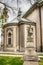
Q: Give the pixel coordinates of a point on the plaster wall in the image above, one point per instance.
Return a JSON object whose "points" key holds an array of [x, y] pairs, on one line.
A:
{"points": [[42, 24], [21, 39], [34, 16], [14, 38]]}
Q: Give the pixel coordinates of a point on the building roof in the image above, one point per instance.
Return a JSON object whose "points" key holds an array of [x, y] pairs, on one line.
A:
{"points": [[26, 21], [21, 21], [34, 6], [17, 21]]}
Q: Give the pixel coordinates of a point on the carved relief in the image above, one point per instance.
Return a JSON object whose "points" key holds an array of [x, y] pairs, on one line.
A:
{"points": [[9, 29], [29, 34]]}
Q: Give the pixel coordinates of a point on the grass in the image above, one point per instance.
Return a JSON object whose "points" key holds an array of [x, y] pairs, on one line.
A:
{"points": [[5, 60], [41, 61], [10, 60]]}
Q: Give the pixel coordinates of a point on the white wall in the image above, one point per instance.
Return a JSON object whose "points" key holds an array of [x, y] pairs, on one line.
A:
{"points": [[42, 24], [14, 39], [34, 16]]}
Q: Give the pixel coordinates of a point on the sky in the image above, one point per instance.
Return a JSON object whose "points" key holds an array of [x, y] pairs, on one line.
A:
{"points": [[23, 4]]}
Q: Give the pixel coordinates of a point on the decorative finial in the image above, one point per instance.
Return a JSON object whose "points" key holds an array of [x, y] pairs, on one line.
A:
{"points": [[19, 13]]}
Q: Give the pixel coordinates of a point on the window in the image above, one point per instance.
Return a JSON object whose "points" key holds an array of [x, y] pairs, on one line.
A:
{"points": [[9, 38], [9, 34]]}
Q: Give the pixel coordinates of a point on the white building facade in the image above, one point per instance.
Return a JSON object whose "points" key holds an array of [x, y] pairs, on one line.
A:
{"points": [[29, 30], [17, 35]]}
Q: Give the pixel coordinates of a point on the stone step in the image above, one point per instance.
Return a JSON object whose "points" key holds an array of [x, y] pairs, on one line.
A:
{"points": [[11, 53], [14, 54]]}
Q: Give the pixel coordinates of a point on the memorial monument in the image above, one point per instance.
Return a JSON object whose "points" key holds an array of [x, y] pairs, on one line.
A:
{"points": [[30, 55]]}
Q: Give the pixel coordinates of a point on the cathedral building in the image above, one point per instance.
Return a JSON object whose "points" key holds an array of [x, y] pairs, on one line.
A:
{"points": [[28, 30]]}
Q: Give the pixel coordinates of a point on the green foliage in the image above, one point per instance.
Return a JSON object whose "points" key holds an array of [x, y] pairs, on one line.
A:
{"points": [[4, 14], [2, 61], [41, 61], [14, 61], [11, 61]]}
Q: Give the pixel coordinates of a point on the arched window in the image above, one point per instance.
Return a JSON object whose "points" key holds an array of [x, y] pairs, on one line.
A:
{"points": [[9, 38]]}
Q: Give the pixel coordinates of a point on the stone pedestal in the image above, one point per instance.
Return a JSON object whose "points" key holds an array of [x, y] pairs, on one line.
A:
{"points": [[30, 56], [30, 63]]}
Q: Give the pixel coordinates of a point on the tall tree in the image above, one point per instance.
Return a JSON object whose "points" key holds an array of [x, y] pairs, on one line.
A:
{"points": [[4, 14]]}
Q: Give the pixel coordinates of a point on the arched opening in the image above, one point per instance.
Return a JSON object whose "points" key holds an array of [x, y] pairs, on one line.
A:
{"points": [[9, 38]]}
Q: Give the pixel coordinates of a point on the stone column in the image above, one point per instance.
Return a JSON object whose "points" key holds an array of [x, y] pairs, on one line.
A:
{"points": [[30, 55]]}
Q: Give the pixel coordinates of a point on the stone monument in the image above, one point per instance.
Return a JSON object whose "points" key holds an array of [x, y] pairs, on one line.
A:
{"points": [[30, 56]]}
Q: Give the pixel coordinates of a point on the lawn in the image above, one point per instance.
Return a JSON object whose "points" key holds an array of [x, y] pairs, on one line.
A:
{"points": [[10, 60], [4, 60], [41, 61]]}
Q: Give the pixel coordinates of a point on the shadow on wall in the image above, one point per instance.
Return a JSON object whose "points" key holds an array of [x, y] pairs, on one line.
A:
{"points": [[38, 49]]}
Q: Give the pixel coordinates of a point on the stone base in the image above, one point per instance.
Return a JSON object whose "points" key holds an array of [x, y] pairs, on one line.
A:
{"points": [[30, 58], [30, 63]]}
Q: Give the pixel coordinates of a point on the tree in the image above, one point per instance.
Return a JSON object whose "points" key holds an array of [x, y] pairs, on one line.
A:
{"points": [[3, 18], [4, 15]]}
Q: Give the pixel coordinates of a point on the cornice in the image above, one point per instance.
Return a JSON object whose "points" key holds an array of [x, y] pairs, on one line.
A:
{"points": [[32, 8]]}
